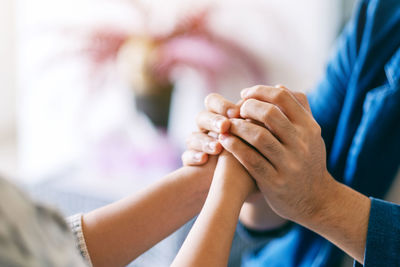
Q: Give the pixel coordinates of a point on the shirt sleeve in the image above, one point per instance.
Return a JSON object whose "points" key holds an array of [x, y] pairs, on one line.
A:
{"points": [[383, 236], [327, 98], [75, 223]]}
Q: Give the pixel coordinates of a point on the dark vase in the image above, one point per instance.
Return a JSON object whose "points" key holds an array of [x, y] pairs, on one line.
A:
{"points": [[155, 105]]}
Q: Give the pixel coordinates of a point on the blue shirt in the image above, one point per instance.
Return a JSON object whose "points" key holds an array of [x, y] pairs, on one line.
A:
{"points": [[383, 237], [357, 105]]}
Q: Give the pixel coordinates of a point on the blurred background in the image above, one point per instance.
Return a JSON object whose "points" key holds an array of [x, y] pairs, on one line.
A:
{"points": [[97, 97]]}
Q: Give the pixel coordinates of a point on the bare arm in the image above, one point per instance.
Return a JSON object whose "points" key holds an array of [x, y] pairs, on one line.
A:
{"points": [[341, 217], [118, 233], [255, 213], [289, 166], [210, 239]]}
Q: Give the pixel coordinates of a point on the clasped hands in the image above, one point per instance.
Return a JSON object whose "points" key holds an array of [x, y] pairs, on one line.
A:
{"points": [[274, 136]]}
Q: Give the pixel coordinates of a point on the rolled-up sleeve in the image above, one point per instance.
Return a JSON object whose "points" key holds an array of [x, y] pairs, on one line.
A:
{"points": [[383, 236]]}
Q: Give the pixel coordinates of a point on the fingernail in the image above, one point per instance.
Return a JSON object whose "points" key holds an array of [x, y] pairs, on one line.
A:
{"points": [[213, 135], [244, 93], [218, 123], [223, 137], [198, 156], [232, 113], [212, 146]]}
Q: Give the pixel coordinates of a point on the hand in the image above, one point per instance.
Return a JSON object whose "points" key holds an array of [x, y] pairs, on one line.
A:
{"points": [[211, 122], [210, 239], [287, 158]]}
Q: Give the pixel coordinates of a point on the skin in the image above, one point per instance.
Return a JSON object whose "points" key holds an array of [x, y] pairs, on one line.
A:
{"points": [[210, 239], [256, 213], [280, 144], [118, 233]]}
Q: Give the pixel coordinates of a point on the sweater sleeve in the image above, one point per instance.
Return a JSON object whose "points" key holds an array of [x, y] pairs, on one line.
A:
{"points": [[383, 236], [75, 223]]}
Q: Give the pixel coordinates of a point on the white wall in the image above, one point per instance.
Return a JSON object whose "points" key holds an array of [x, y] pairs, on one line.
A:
{"points": [[291, 39], [8, 140], [7, 69]]}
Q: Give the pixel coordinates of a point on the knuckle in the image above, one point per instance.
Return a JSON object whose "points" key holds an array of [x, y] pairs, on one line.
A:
{"points": [[272, 147], [303, 148], [209, 98], [280, 95], [258, 138], [212, 134], [223, 107], [204, 146], [245, 107], [252, 102], [269, 112], [294, 166], [257, 166], [288, 128], [249, 102], [233, 144], [317, 130], [303, 96], [314, 129], [184, 158], [264, 142], [258, 88], [204, 121]]}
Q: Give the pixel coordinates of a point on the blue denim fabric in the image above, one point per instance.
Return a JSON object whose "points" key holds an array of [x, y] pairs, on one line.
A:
{"points": [[357, 105], [383, 238]]}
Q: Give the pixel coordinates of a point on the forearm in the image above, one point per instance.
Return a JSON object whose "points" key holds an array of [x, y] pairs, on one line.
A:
{"points": [[209, 241], [118, 233], [342, 217], [256, 214]]}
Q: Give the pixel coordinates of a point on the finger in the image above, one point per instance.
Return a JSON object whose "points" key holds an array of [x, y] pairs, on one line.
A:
{"points": [[194, 158], [218, 104], [270, 116], [279, 96], [260, 138], [208, 121], [239, 103], [257, 166], [302, 98], [213, 135], [204, 143]]}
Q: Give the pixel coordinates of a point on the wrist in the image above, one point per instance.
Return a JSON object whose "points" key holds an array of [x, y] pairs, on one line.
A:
{"points": [[228, 189], [342, 217], [198, 181], [323, 202], [331, 203], [200, 176], [226, 199]]}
